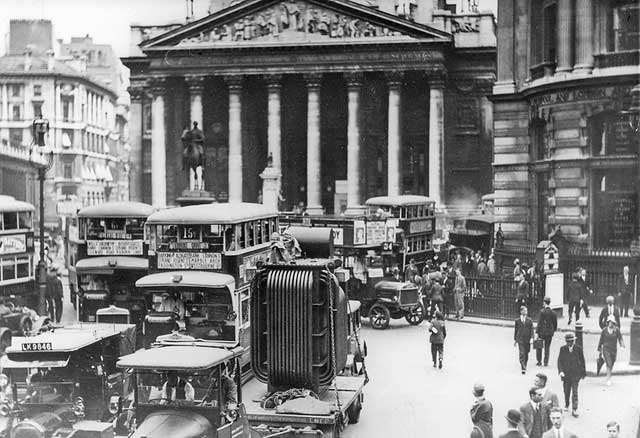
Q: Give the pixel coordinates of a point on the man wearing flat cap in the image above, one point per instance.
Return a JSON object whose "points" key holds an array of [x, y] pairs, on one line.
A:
{"points": [[571, 368], [514, 418], [482, 411]]}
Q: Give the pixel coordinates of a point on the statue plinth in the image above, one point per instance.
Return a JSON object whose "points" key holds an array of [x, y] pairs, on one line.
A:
{"points": [[195, 197]]}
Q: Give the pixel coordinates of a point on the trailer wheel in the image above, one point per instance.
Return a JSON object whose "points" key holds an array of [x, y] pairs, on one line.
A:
{"points": [[415, 315], [379, 317], [354, 411]]}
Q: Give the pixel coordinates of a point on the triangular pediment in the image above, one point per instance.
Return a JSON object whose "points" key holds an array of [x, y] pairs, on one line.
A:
{"points": [[293, 22]]}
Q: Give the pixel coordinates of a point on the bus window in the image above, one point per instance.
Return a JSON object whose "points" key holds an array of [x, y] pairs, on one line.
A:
{"points": [[239, 236], [22, 267], [212, 235], [95, 228], [168, 235], [10, 221], [248, 232], [24, 220], [265, 231], [395, 212], [8, 268], [115, 224], [135, 228], [245, 307]]}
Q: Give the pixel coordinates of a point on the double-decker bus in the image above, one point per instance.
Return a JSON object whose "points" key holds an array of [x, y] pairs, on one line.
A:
{"points": [[17, 251], [201, 262], [410, 225], [108, 253]]}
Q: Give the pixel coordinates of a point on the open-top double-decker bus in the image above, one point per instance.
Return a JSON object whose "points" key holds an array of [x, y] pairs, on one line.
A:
{"points": [[202, 259], [108, 251]]}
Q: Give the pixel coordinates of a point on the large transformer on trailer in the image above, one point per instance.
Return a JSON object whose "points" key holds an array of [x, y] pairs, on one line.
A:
{"points": [[299, 328]]}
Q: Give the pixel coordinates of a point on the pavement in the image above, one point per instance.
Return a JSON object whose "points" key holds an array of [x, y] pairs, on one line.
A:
{"points": [[407, 397], [590, 328]]}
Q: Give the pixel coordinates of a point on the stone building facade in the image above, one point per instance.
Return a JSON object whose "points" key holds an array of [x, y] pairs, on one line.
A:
{"points": [[86, 126], [352, 100], [565, 145]]}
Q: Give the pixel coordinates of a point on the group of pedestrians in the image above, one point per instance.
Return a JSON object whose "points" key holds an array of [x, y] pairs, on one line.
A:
{"points": [[539, 417]]}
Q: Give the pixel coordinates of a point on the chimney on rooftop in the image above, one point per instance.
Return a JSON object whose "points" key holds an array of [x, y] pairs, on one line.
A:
{"points": [[50, 60], [27, 58], [83, 63]]}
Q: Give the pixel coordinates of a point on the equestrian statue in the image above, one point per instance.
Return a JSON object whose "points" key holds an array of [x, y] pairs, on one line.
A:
{"points": [[193, 155]]}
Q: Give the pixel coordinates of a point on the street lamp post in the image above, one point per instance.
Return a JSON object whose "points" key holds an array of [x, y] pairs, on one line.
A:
{"points": [[42, 164]]}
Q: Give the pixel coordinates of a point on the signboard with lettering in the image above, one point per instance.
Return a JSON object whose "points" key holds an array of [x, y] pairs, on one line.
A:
{"points": [[375, 232], [114, 247], [37, 346], [189, 260], [420, 226], [13, 244]]}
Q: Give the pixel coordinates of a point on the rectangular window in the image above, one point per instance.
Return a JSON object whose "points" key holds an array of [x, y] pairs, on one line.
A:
{"points": [[67, 138], [615, 208], [37, 109], [8, 268], [22, 267], [67, 109], [15, 137], [626, 27], [68, 171], [16, 112], [10, 221], [37, 90], [549, 33], [16, 90]]}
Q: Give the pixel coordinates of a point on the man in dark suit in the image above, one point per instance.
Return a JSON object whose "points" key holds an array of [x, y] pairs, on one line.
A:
{"points": [[625, 290], [535, 415], [574, 295], [609, 310], [571, 368], [514, 418], [482, 411], [547, 326], [522, 337]]}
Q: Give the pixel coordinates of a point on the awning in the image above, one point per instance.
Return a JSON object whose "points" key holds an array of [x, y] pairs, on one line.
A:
{"points": [[108, 264], [66, 140], [108, 176]]}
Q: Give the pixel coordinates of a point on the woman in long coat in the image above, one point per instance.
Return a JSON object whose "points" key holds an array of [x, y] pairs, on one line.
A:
{"points": [[608, 345]]}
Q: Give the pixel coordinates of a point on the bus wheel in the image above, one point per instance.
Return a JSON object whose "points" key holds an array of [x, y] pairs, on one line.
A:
{"points": [[354, 411], [415, 315], [379, 317]]}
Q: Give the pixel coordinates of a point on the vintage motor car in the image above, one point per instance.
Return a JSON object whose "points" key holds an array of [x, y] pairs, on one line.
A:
{"points": [[392, 299], [65, 381], [184, 392]]}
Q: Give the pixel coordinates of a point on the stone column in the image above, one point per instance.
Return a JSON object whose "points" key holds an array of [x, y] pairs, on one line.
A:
{"points": [[235, 137], [136, 91], [436, 139], [354, 84], [4, 114], [158, 146], [314, 173], [196, 86], [565, 36], [274, 130], [394, 170], [505, 57], [584, 37]]}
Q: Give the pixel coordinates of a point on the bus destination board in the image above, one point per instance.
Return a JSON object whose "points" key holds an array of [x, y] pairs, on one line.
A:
{"points": [[13, 244], [114, 247], [189, 260], [420, 226]]}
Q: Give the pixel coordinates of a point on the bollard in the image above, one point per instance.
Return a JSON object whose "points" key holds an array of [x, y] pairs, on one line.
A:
{"points": [[634, 339], [579, 334]]}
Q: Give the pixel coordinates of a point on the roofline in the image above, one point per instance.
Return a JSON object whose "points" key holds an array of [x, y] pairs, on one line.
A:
{"points": [[55, 75], [248, 4]]}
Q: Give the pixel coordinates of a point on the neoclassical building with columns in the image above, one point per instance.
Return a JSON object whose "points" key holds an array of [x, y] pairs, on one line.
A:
{"points": [[350, 100]]}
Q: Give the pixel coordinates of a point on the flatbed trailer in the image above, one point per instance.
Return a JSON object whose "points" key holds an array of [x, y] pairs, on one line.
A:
{"points": [[320, 425]]}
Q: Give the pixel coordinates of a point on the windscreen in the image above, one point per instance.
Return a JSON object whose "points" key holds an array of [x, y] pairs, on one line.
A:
{"points": [[173, 387]]}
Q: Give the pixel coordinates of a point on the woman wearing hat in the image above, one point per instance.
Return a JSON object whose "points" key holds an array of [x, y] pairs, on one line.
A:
{"points": [[608, 345]]}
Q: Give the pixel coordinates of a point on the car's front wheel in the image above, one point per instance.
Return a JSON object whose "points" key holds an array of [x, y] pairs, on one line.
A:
{"points": [[379, 317]]}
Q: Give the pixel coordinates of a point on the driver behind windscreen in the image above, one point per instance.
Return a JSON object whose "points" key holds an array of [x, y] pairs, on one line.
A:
{"points": [[177, 388], [171, 302]]}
